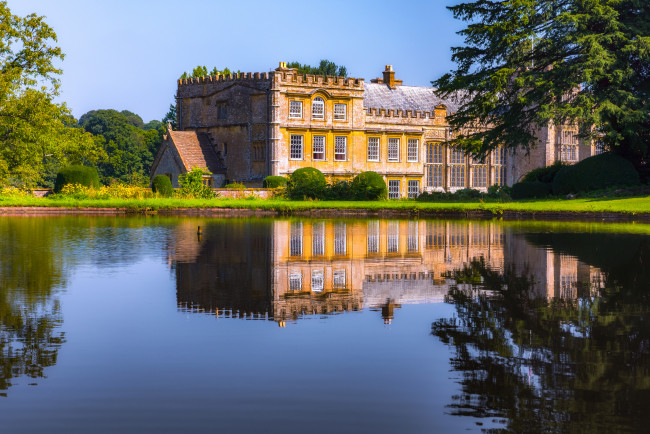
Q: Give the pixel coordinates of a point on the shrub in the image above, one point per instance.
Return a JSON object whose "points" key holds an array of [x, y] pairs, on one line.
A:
{"points": [[76, 191], [595, 173], [369, 186], [235, 185], [502, 192], [162, 186], [192, 185], [435, 196], [544, 174], [82, 175], [529, 190], [338, 190], [467, 193], [274, 181], [306, 182]]}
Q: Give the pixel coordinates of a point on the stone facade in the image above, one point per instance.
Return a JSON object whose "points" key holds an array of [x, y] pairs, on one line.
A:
{"points": [[274, 123]]}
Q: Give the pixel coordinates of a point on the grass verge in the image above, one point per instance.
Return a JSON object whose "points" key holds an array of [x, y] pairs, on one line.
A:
{"points": [[626, 205]]}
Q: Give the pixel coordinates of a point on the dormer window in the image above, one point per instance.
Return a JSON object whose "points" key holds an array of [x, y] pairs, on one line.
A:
{"points": [[318, 108]]}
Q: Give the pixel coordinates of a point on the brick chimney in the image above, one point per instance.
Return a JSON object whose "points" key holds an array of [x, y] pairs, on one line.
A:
{"points": [[389, 78]]}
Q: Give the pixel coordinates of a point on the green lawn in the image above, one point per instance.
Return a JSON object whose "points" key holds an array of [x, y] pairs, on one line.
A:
{"points": [[627, 205]]}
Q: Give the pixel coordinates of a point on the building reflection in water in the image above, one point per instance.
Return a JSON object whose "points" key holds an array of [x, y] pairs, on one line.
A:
{"points": [[287, 269]]}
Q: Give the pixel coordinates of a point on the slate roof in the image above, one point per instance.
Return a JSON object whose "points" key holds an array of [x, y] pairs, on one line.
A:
{"points": [[196, 150], [380, 96]]}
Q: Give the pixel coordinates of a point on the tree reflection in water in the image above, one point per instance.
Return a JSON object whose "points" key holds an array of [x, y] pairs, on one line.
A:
{"points": [[540, 364], [31, 267]]}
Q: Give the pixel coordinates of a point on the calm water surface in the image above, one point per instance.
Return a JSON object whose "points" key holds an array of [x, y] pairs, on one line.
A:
{"points": [[288, 325]]}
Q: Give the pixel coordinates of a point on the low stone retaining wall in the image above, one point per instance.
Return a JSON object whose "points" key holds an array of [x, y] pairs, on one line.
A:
{"points": [[234, 193]]}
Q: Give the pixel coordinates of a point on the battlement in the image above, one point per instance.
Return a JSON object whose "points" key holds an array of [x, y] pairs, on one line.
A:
{"points": [[212, 79], [400, 114], [291, 77]]}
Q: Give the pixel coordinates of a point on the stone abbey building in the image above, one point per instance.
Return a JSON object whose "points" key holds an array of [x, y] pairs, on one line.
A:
{"points": [[244, 127]]}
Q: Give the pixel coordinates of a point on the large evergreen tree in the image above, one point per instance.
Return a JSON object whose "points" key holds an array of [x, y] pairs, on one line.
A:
{"points": [[528, 62]]}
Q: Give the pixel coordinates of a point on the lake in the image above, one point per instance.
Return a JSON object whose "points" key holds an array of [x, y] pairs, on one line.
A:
{"points": [[153, 324]]}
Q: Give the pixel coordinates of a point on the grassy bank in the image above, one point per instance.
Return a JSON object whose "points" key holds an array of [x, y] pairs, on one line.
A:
{"points": [[627, 205]]}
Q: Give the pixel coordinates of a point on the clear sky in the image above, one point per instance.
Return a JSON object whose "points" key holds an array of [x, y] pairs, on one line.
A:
{"points": [[127, 54]]}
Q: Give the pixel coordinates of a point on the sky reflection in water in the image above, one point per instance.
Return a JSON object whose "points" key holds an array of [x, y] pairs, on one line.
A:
{"points": [[132, 324]]}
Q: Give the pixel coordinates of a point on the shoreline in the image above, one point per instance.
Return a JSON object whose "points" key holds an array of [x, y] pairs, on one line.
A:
{"points": [[474, 214]]}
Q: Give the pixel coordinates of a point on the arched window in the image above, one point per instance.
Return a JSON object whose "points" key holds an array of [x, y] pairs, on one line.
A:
{"points": [[318, 108]]}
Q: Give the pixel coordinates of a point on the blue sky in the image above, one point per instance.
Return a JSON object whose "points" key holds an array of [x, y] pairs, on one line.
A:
{"points": [[128, 54]]}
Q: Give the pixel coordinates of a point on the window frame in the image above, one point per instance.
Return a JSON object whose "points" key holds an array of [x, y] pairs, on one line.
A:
{"points": [[293, 115], [292, 144], [393, 148], [376, 159], [394, 194], [412, 155], [412, 193], [318, 102], [313, 148], [337, 152], [337, 116]]}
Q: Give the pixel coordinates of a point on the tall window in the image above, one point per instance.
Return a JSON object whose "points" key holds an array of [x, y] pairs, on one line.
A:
{"points": [[340, 148], [318, 239], [414, 189], [295, 282], [457, 156], [295, 242], [318, 148], [392, 237], [338, 279], [318, 108], [222, 110], [499, 162], [373, 236], [434, 175], [340, 239], [317, 281], [434, 153], [393, 189], [373, 149], [340, 112], [568, 141], [413, 150], [457, 175], [393, 149], [296, 147], [412, 240], [295, 109], [479, 176]]}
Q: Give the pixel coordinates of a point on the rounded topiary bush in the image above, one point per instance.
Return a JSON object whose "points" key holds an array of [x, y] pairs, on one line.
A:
{"points": [[82, 175], [162, 186], [595, 173], [306, 182], [529, 190], [369, 186], [274, 181]]}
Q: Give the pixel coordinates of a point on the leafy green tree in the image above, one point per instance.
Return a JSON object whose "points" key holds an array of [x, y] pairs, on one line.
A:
{"points": [[170, 117], [528, 62], [37, 136], [202, 71], [325, 67], [130, 148]]}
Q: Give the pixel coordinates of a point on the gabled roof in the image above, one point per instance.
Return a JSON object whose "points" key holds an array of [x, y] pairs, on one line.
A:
{"points": [[195, 150], [381, 96]]}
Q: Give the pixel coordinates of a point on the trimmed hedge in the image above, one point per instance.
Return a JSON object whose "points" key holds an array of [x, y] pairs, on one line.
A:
{"points": [[529, 190], [544, 174], [274, 181], [235, 185], [162, 185], [83, 175], [595, 173], [306, 182], [369, 186]]}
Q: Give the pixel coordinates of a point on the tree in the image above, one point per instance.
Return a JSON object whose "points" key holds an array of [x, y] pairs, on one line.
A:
{"points": [[325, 67], [37, 136], [202, 71], [129, 145], [529, 62]]}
